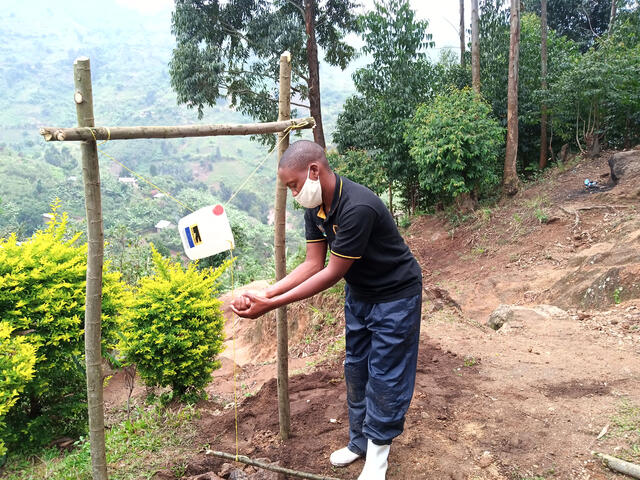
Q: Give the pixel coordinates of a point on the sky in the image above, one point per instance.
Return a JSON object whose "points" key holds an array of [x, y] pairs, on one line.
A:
{"points": [[443, 16]]}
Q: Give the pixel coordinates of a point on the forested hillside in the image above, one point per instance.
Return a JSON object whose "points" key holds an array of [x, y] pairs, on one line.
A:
{"points": [[130, 52]]}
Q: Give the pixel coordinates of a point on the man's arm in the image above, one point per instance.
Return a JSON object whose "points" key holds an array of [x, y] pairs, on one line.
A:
{"points": [[323, 279], [313, 263]]}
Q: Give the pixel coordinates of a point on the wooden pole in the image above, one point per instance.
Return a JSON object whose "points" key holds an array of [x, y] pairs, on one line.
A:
{"points": [[180, 131], [284, 113], [268, 466], [95, 235]]}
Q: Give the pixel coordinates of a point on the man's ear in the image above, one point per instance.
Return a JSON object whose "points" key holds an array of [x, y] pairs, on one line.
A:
{"points": [[314, 171]]}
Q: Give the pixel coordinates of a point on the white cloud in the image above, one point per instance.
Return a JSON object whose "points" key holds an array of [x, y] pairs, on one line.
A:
{"points": [[147, 6]]}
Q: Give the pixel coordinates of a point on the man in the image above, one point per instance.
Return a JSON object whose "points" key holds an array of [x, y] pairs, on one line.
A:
{"points": [[382, 305]]}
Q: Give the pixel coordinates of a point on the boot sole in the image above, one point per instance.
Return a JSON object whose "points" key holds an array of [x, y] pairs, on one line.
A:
{"points": [[340, 465]]}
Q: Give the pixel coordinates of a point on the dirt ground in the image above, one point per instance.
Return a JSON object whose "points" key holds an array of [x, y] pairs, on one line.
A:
{"points": [[525, 402]]}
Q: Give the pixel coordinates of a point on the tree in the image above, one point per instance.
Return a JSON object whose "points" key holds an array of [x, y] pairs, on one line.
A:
{"points": [[600, 93], [388, 91], [495, 39], [456, 142], [543, 73], [357, 165], [510, 182], [42, 291], [232, 50], [612, 15], [583, 21], [17, 358], [493, 31], [462, 42], [175, 327], [475, 47]]}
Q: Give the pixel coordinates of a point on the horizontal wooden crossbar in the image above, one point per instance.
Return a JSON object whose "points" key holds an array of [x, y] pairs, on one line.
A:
{"points": [[52, 134]]}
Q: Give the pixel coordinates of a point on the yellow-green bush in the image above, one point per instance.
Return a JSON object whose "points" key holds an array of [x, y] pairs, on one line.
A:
{"points": [[17, 358], [175, 326], [42, 292]]}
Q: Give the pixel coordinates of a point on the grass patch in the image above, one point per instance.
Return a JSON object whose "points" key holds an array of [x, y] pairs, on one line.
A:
{"points": [[136, 449], [470, 361], [337, 290], [626, 425]]}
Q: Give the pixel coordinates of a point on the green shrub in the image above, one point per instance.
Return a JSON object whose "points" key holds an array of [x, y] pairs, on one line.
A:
{"points": [[175, 326], [359, 166], [42, 292], [456, 144], [17, 359]]}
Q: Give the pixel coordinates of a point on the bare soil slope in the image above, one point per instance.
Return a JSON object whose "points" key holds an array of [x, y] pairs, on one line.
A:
{"points": [[527, 401]]}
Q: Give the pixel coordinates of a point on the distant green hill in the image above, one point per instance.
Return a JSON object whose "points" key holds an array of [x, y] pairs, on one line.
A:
{"points": [[129, 54]]}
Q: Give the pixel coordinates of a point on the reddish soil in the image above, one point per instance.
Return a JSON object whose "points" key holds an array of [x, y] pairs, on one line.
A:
{"points": [[526, 402]]}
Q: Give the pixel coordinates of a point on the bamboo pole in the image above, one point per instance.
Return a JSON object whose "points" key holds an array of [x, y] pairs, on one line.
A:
{"points": [[284, 113], [51, 134], [95, 235], [618, 465], [268, 466]]}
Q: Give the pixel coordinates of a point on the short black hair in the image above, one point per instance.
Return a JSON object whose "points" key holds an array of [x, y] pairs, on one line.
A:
{"points": [[301, 153]]}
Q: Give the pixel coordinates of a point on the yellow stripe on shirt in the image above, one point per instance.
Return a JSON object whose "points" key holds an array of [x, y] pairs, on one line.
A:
{"points": [[345, 256]]}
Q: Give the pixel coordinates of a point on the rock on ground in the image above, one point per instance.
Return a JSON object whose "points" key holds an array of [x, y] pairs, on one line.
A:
{"points": [[513, 313]]}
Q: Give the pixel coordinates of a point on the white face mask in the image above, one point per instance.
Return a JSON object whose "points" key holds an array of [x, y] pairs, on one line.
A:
{"points": [[310, 195]]}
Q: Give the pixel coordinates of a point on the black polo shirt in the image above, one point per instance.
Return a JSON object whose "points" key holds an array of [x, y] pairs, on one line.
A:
{"points": [[359, 226]]}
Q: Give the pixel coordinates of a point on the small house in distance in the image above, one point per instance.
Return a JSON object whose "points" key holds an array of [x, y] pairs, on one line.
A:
{"points": [[47, 218], [162, 225], [129, 181]]}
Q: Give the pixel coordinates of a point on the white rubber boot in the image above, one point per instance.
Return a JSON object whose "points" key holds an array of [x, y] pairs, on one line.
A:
{"points": [[343, 457], [375, 467]]}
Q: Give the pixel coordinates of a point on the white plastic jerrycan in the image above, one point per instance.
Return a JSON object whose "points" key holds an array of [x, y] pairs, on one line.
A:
{"points": [[206, 232]]}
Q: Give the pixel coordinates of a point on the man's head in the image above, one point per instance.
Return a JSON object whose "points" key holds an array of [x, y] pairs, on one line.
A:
{"points": [[304, 158]]}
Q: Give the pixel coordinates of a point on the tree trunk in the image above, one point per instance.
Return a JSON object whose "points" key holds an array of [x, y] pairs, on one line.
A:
{"points": [[314, 71], [284, 113], [95, 239], [612, 17], [475, 47], [510, 181], [462, 45], [543, 58]]}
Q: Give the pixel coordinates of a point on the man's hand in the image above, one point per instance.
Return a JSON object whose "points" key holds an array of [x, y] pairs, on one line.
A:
{"points": [[252, 306], [240, 303]]}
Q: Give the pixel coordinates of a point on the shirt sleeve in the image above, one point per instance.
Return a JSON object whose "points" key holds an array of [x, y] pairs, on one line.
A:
{"points": [[353, 232], [311, 231]]}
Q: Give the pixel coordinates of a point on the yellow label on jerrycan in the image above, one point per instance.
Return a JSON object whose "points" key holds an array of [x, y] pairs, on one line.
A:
{"points": [[206, 232]]}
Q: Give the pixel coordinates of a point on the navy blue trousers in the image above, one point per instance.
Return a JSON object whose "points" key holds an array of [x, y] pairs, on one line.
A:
{"points": [[380, 367]]}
